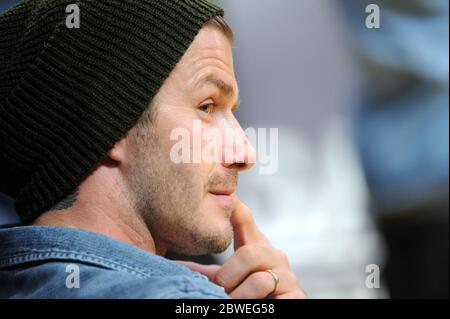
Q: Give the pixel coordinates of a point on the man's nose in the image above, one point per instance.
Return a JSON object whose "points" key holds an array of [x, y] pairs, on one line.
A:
{"points": [[238, 152]]}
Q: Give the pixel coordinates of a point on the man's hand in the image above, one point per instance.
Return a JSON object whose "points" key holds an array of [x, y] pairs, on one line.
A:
{"points": [[245, 275]]}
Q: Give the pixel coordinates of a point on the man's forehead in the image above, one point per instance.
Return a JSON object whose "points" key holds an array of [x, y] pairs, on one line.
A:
{"points": [[210, 40], [208, 55]]}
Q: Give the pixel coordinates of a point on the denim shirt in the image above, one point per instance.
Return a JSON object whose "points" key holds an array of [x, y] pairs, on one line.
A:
{"points": [[57, 262]]}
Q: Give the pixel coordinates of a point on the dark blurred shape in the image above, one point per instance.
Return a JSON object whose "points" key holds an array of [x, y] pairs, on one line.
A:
{"points": [[203, 259], [418, 243], [7, 212], [402, 130]]}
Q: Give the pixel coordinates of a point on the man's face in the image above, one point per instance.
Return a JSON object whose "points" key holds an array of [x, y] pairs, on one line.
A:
{"points": [[187, 206]]}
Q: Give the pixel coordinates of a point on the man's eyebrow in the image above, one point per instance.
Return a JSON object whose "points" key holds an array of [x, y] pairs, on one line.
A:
{"points": [[226, 88]]}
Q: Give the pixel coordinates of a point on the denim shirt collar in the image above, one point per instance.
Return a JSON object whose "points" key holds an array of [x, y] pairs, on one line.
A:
{"points": [[28, 244]]}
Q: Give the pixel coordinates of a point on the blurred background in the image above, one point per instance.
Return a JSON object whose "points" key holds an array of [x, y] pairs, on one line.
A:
{"points": [[363, 151]]}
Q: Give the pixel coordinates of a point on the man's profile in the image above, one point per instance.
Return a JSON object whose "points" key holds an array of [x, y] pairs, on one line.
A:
{"points": [[86, 119]]}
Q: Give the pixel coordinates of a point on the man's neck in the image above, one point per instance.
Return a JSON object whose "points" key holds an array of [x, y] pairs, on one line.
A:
{"points": [[104, 210]]}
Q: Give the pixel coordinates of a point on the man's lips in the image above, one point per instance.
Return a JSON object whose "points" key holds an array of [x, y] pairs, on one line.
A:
{"points": [[222, 192], [225, 197]]}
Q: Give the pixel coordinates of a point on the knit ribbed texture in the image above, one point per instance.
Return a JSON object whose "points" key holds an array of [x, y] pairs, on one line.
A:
{"points": [[68, 95]]}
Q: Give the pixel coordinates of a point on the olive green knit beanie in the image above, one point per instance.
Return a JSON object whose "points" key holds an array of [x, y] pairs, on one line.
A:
{"points": [[67, 95]]}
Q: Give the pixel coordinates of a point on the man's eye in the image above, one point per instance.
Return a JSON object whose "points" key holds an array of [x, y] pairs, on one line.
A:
{"points": [[207, 108]]}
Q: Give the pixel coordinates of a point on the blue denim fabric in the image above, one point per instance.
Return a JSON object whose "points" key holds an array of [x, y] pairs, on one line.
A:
{"points": [[33, 263]]}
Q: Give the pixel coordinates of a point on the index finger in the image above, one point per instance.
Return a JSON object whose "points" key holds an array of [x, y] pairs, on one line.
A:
{"points": [[245, 230]]}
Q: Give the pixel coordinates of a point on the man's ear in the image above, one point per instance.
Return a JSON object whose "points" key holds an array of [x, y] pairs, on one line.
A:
{"points": [[119, 151]]}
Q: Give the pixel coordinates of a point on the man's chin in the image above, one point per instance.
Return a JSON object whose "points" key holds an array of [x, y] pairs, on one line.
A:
{"points": [[207, 244], [216, 234], [220, 247]]}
